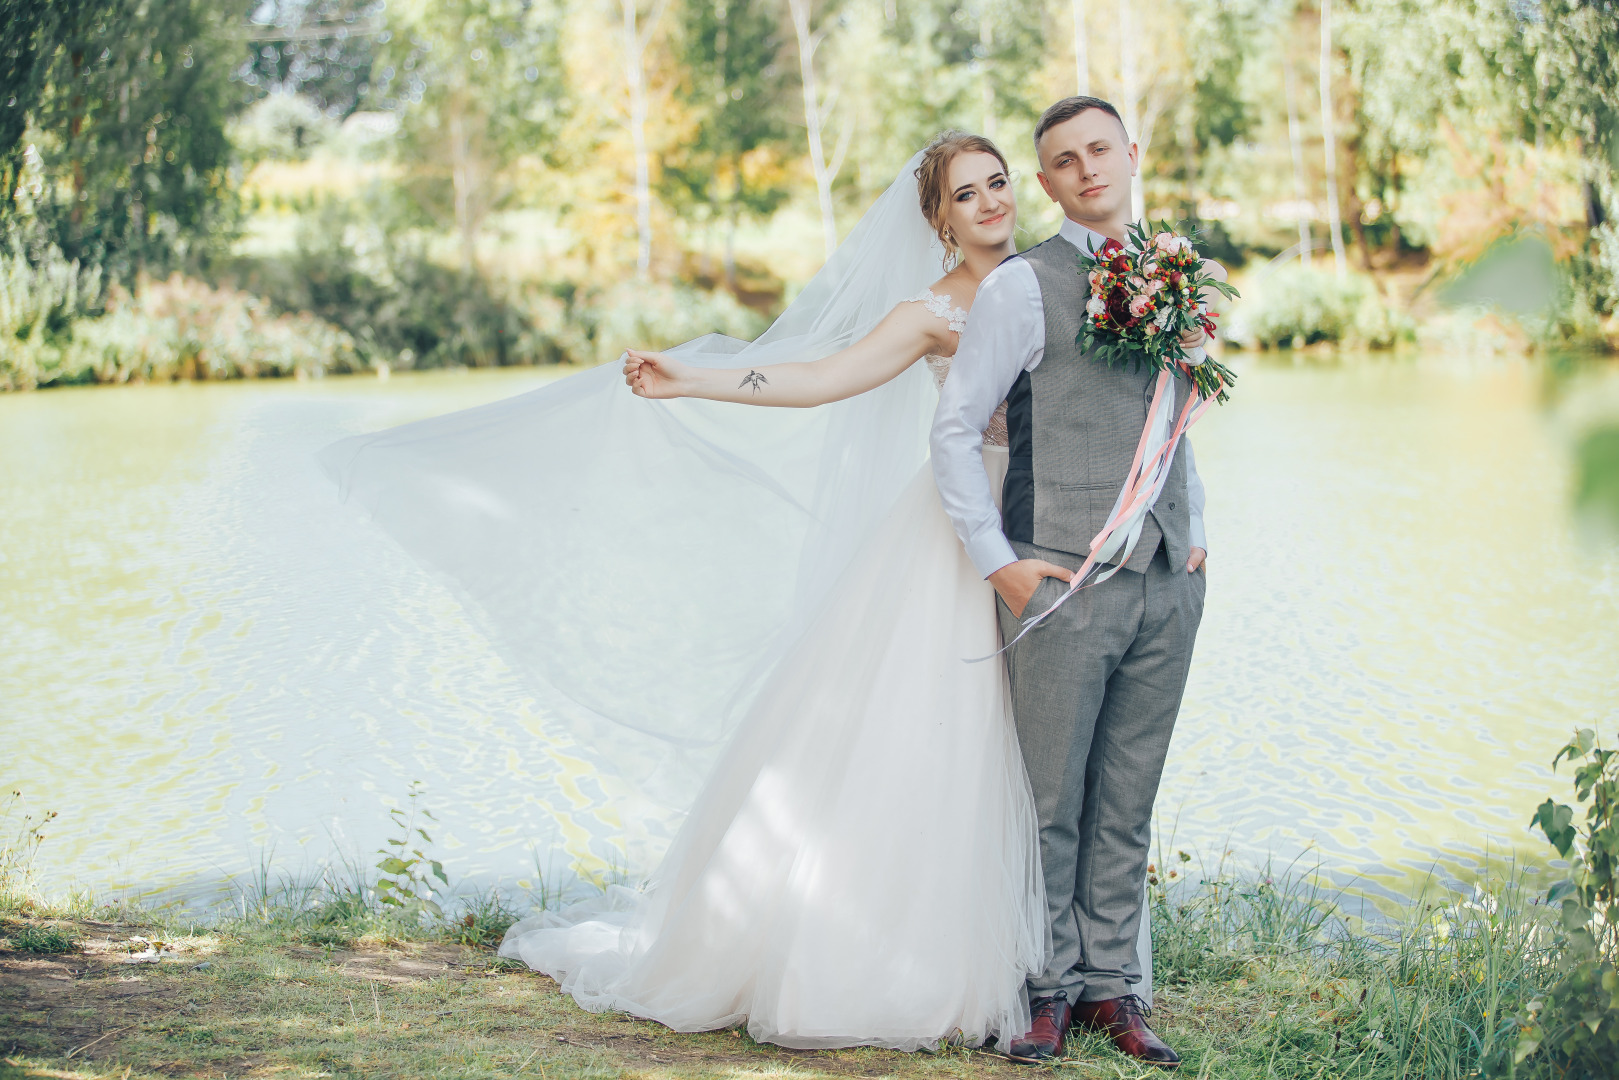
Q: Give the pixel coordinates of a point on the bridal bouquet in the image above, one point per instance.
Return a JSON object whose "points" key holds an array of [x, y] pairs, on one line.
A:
{"points": [[1142, 296]]}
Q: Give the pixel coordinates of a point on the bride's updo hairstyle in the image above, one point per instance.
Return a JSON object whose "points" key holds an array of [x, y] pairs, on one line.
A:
{"points": [[933, 182]]}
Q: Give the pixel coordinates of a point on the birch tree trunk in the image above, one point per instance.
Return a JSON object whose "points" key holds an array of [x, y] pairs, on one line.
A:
{"points": [[1082, 50], [464, 179], [1330, 139], [1301, 191], [636, 36], [817, 110], [1130, 84], [1188, 139], [986, 40]]}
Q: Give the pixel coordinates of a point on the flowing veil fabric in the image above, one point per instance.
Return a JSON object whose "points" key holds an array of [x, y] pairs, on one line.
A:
{"points": [[650, 560]]}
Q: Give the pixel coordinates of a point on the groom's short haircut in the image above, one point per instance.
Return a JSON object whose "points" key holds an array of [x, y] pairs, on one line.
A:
{"points": [[1067, 109]]}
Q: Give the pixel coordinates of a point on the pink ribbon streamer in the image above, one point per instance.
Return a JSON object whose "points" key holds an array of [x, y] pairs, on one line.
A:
{"points": [[1141, 490]]}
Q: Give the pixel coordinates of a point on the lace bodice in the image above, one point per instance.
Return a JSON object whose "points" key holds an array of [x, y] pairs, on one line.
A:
{"points": [[956, 317]]}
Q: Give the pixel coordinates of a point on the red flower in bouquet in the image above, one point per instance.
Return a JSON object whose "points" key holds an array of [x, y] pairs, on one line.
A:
{"points": [[1143, 296]]}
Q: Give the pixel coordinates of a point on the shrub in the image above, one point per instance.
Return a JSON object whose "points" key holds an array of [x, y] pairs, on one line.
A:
{"points": [[1297, 306], [281, 127], [396, 303], [1575, 1024], [656, 316], [40, 298], [174, 329], [183, 328], [401, 306], [42, 939], [484, 920], [1587, 312]]}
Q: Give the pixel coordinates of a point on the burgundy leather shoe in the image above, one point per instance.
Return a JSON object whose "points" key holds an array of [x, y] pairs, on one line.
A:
{"points": [[1052, 1017], [1124, 1020]]}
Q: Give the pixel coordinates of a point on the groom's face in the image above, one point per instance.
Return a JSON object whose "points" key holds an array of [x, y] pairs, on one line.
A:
{"points": [[1086, 163]]}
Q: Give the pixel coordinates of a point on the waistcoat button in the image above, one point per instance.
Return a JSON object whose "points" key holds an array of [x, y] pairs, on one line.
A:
{"points": [[1172, 506]]}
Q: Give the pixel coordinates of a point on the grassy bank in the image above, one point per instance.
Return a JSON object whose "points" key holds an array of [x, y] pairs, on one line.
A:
{"points": [[382, 973], [1257, 978]]}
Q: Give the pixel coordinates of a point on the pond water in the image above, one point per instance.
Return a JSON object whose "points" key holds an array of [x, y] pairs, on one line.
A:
{"points": [[1403, 622]]}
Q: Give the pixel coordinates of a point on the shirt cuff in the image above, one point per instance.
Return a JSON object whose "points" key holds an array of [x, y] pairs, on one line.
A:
{"points": [[990, 551], [1195, 535]]}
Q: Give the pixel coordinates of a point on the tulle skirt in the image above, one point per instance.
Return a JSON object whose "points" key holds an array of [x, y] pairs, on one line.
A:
{"points": [[862, 866]]}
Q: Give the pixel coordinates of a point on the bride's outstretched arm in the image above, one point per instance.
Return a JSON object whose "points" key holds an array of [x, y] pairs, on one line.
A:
{"points": [[905, 335]]}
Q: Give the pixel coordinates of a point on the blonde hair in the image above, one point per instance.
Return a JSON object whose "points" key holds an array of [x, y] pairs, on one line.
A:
{"points": [[933, 181]]}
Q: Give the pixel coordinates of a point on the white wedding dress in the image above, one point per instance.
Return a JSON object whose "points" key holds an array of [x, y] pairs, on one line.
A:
{"points": [[750, 626], [862, 867]]}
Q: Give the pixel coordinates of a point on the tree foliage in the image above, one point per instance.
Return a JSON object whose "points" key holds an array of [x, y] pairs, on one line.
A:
{"points": [[1575, 48], [30, 34], [323, 50], [1458, 122], [131, 163], [736, 82], [477, 84]]}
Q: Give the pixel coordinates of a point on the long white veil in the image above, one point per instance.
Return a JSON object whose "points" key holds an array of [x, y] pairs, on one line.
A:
{"points": [[649, 561]]}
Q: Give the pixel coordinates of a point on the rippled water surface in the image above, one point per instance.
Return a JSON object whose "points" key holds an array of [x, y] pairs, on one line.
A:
{"points": [[1402, 623]]}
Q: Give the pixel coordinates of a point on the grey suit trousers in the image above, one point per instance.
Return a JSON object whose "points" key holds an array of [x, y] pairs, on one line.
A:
{"points": [[1095, 692]]}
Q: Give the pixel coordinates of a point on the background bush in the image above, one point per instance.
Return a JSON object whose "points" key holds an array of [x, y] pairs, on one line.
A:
{"points": [[173, 329], [1297, 306], [40, 298], [365, 270], [658, 314]]}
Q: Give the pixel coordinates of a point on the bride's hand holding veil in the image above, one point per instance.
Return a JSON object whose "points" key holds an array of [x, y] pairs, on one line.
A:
{"points": [[655, 375], [905, 335]]}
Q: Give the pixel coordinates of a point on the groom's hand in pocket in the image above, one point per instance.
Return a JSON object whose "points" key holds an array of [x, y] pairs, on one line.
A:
{"points": [[1199, 556], [1016, 582]]}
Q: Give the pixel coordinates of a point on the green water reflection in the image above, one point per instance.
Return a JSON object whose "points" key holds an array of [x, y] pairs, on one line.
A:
{"points": [[1405, 617]]}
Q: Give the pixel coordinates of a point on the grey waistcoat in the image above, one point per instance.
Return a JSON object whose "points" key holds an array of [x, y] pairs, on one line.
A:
{"points": [[1074, 423]]}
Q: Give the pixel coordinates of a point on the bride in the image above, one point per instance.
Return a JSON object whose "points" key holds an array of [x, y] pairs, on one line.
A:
{"points": [[860, 865], [861, 868]]}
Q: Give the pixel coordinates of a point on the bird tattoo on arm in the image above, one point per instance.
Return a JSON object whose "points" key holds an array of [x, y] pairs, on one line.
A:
{"points": [[753, 380]]}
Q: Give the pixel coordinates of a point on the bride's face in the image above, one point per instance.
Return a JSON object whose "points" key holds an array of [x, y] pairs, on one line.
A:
{"points": [[980, 208]]}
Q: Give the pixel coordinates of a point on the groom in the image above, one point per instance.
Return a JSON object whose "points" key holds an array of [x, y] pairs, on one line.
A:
{"points": [[1096, 687]]}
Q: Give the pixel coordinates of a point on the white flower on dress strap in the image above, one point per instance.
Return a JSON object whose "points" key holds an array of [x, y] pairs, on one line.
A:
{"points": [[955, 318]]}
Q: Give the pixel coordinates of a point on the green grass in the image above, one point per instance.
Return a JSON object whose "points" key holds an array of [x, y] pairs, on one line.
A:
{"points": [[33, 938], [1258, 976]]}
